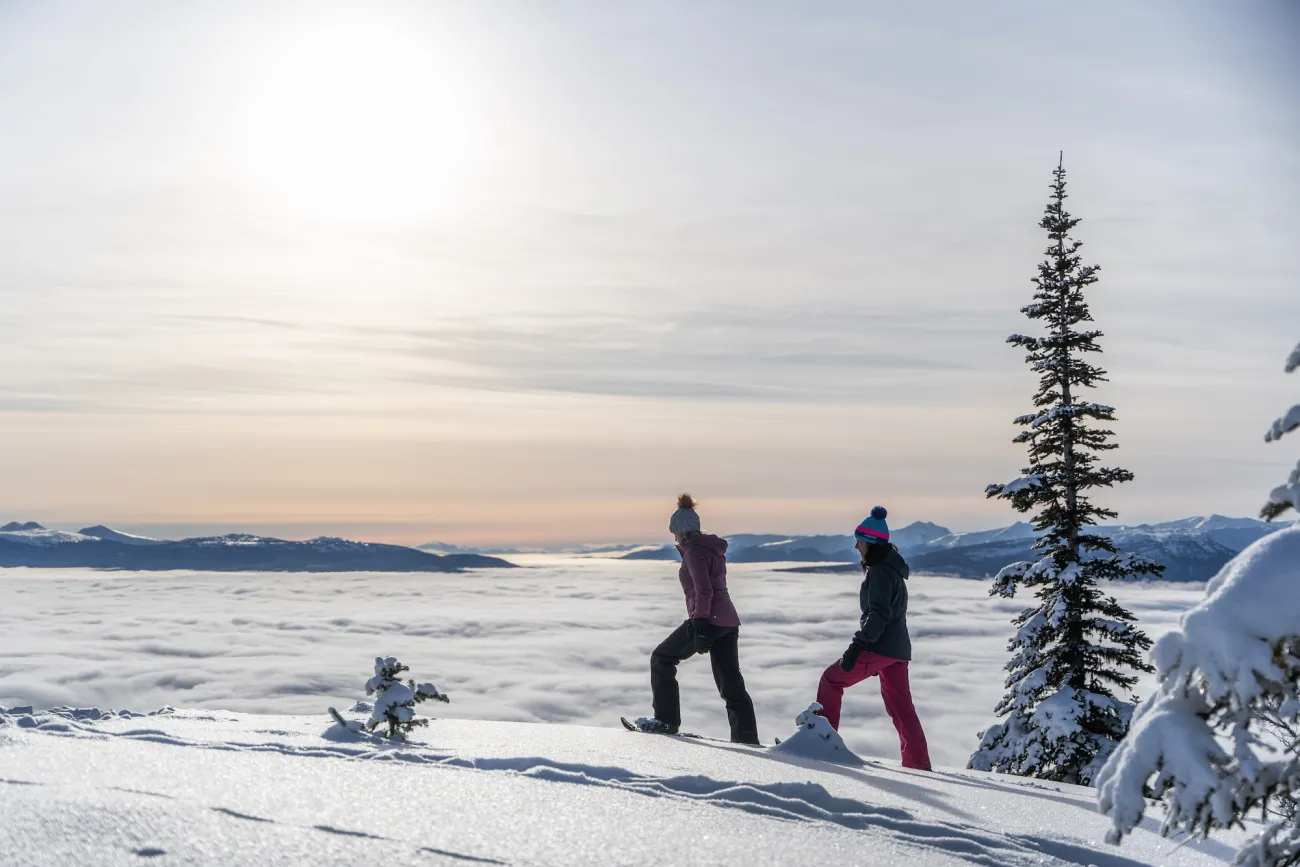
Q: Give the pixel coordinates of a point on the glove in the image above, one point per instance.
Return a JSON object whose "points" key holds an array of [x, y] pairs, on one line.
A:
{"points": [[700, 634], [850, 657]]}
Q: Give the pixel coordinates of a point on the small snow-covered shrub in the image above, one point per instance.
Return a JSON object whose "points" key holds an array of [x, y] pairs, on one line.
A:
{"points": [[1218, 739], [395, 700]]}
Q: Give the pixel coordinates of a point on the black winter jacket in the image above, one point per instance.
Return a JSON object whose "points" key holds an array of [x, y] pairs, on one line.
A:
{"points": [[884, 608]]}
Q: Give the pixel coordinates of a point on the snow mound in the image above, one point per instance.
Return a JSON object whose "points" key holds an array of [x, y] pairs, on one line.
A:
{"points": [[815, 739]]}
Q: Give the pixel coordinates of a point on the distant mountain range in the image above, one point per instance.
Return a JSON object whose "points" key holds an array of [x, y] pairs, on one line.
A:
{"points": [[1191, 549], [99, 547]]}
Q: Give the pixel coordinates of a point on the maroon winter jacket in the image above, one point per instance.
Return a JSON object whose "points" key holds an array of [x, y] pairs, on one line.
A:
{"points": [[704, 580]]}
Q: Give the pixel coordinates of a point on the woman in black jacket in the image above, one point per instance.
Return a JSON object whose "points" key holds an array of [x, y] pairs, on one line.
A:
{"points": [[882, 645]]}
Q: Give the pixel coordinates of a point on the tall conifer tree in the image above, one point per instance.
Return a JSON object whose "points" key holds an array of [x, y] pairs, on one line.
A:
{"points": [[1076, 645]]}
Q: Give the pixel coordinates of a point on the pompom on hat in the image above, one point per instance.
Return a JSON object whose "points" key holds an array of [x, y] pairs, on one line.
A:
{"points": [[684, 520], [873, 529]]}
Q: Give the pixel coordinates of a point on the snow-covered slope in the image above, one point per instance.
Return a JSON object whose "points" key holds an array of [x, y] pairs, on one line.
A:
{"points": [[108, 534], [1018, 531], [1235, 534], [85, 787], [32, 533]]}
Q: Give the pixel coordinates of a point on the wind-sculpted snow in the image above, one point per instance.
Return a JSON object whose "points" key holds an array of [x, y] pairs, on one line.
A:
{"points": [[242, 789], [561, 641]]}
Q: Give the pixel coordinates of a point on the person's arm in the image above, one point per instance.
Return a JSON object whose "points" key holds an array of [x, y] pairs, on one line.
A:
{"points": [[697, 567], [878, 606]]}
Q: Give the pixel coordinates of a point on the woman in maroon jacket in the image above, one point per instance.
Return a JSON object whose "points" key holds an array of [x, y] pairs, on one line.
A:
{"points": [[712, 627]]}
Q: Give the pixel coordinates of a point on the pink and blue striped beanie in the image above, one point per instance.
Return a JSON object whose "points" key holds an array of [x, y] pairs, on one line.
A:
{"points": [[873, 528]]}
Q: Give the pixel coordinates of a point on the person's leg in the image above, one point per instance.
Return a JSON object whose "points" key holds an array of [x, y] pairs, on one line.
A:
{"points": [[663, 674], [896, 691], [724, 656], [830, 691]]}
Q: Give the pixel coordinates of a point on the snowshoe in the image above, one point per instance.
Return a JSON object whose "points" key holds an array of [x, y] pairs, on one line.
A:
{"points": [[648, 725]]}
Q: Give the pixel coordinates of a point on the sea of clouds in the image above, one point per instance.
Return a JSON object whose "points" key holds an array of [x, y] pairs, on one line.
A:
{"points": [[560, 640]]}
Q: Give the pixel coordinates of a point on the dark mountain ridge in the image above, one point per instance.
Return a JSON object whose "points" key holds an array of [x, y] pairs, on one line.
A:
{"points": [[32, 545]]}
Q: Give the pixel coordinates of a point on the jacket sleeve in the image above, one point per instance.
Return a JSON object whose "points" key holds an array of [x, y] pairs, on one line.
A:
{"points": [[877, 605], [697, 568]]}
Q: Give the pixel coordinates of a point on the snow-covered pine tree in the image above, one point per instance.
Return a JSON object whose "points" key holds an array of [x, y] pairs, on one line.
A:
{"points": [[1075, 646], [1285, 496], [395, 701]]}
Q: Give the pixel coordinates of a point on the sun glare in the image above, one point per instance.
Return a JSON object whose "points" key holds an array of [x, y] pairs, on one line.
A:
{"points": [[362, 120]]}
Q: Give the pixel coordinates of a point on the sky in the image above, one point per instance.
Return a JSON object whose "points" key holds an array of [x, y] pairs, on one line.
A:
{"points": [[517, 273]]}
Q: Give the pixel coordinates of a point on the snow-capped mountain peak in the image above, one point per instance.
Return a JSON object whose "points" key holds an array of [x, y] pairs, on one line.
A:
{"points": [[108, 534], [1018, 530], [32, 533]]}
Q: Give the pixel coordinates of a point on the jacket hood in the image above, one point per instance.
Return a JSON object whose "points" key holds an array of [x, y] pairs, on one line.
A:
{"points": [[706, 540], [894, 562]]}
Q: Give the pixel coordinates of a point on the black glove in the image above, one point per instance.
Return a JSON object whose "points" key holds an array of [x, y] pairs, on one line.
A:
{"points": [[701, 634], [850, 657]]}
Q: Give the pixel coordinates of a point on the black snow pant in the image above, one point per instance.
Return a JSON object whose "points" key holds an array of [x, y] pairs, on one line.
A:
{"points": [[724, 654]]}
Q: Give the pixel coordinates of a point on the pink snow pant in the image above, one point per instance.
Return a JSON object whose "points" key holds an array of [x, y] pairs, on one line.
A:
{"points": [[895, 691]]}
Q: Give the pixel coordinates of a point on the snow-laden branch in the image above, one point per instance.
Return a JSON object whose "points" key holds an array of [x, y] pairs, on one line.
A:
{"points": [[1010, 489], [1079, 409], [1293, 361], [1023, 484], [1004, 583], [1288, 495], [1284, 425]]}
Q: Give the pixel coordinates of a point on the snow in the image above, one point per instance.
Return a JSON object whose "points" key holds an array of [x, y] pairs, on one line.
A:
{"points": [[1080, 409], [1249, 606], [815, 739], [1213, 670], [233, 540], [565, 640], [236, 789], [1289, 421], [39, 536], [1018, 530], [1288, 493], [108, 534], [1022, 484]]}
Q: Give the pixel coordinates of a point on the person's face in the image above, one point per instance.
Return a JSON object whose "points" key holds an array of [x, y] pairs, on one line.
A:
{"points": [[862, 547]]}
